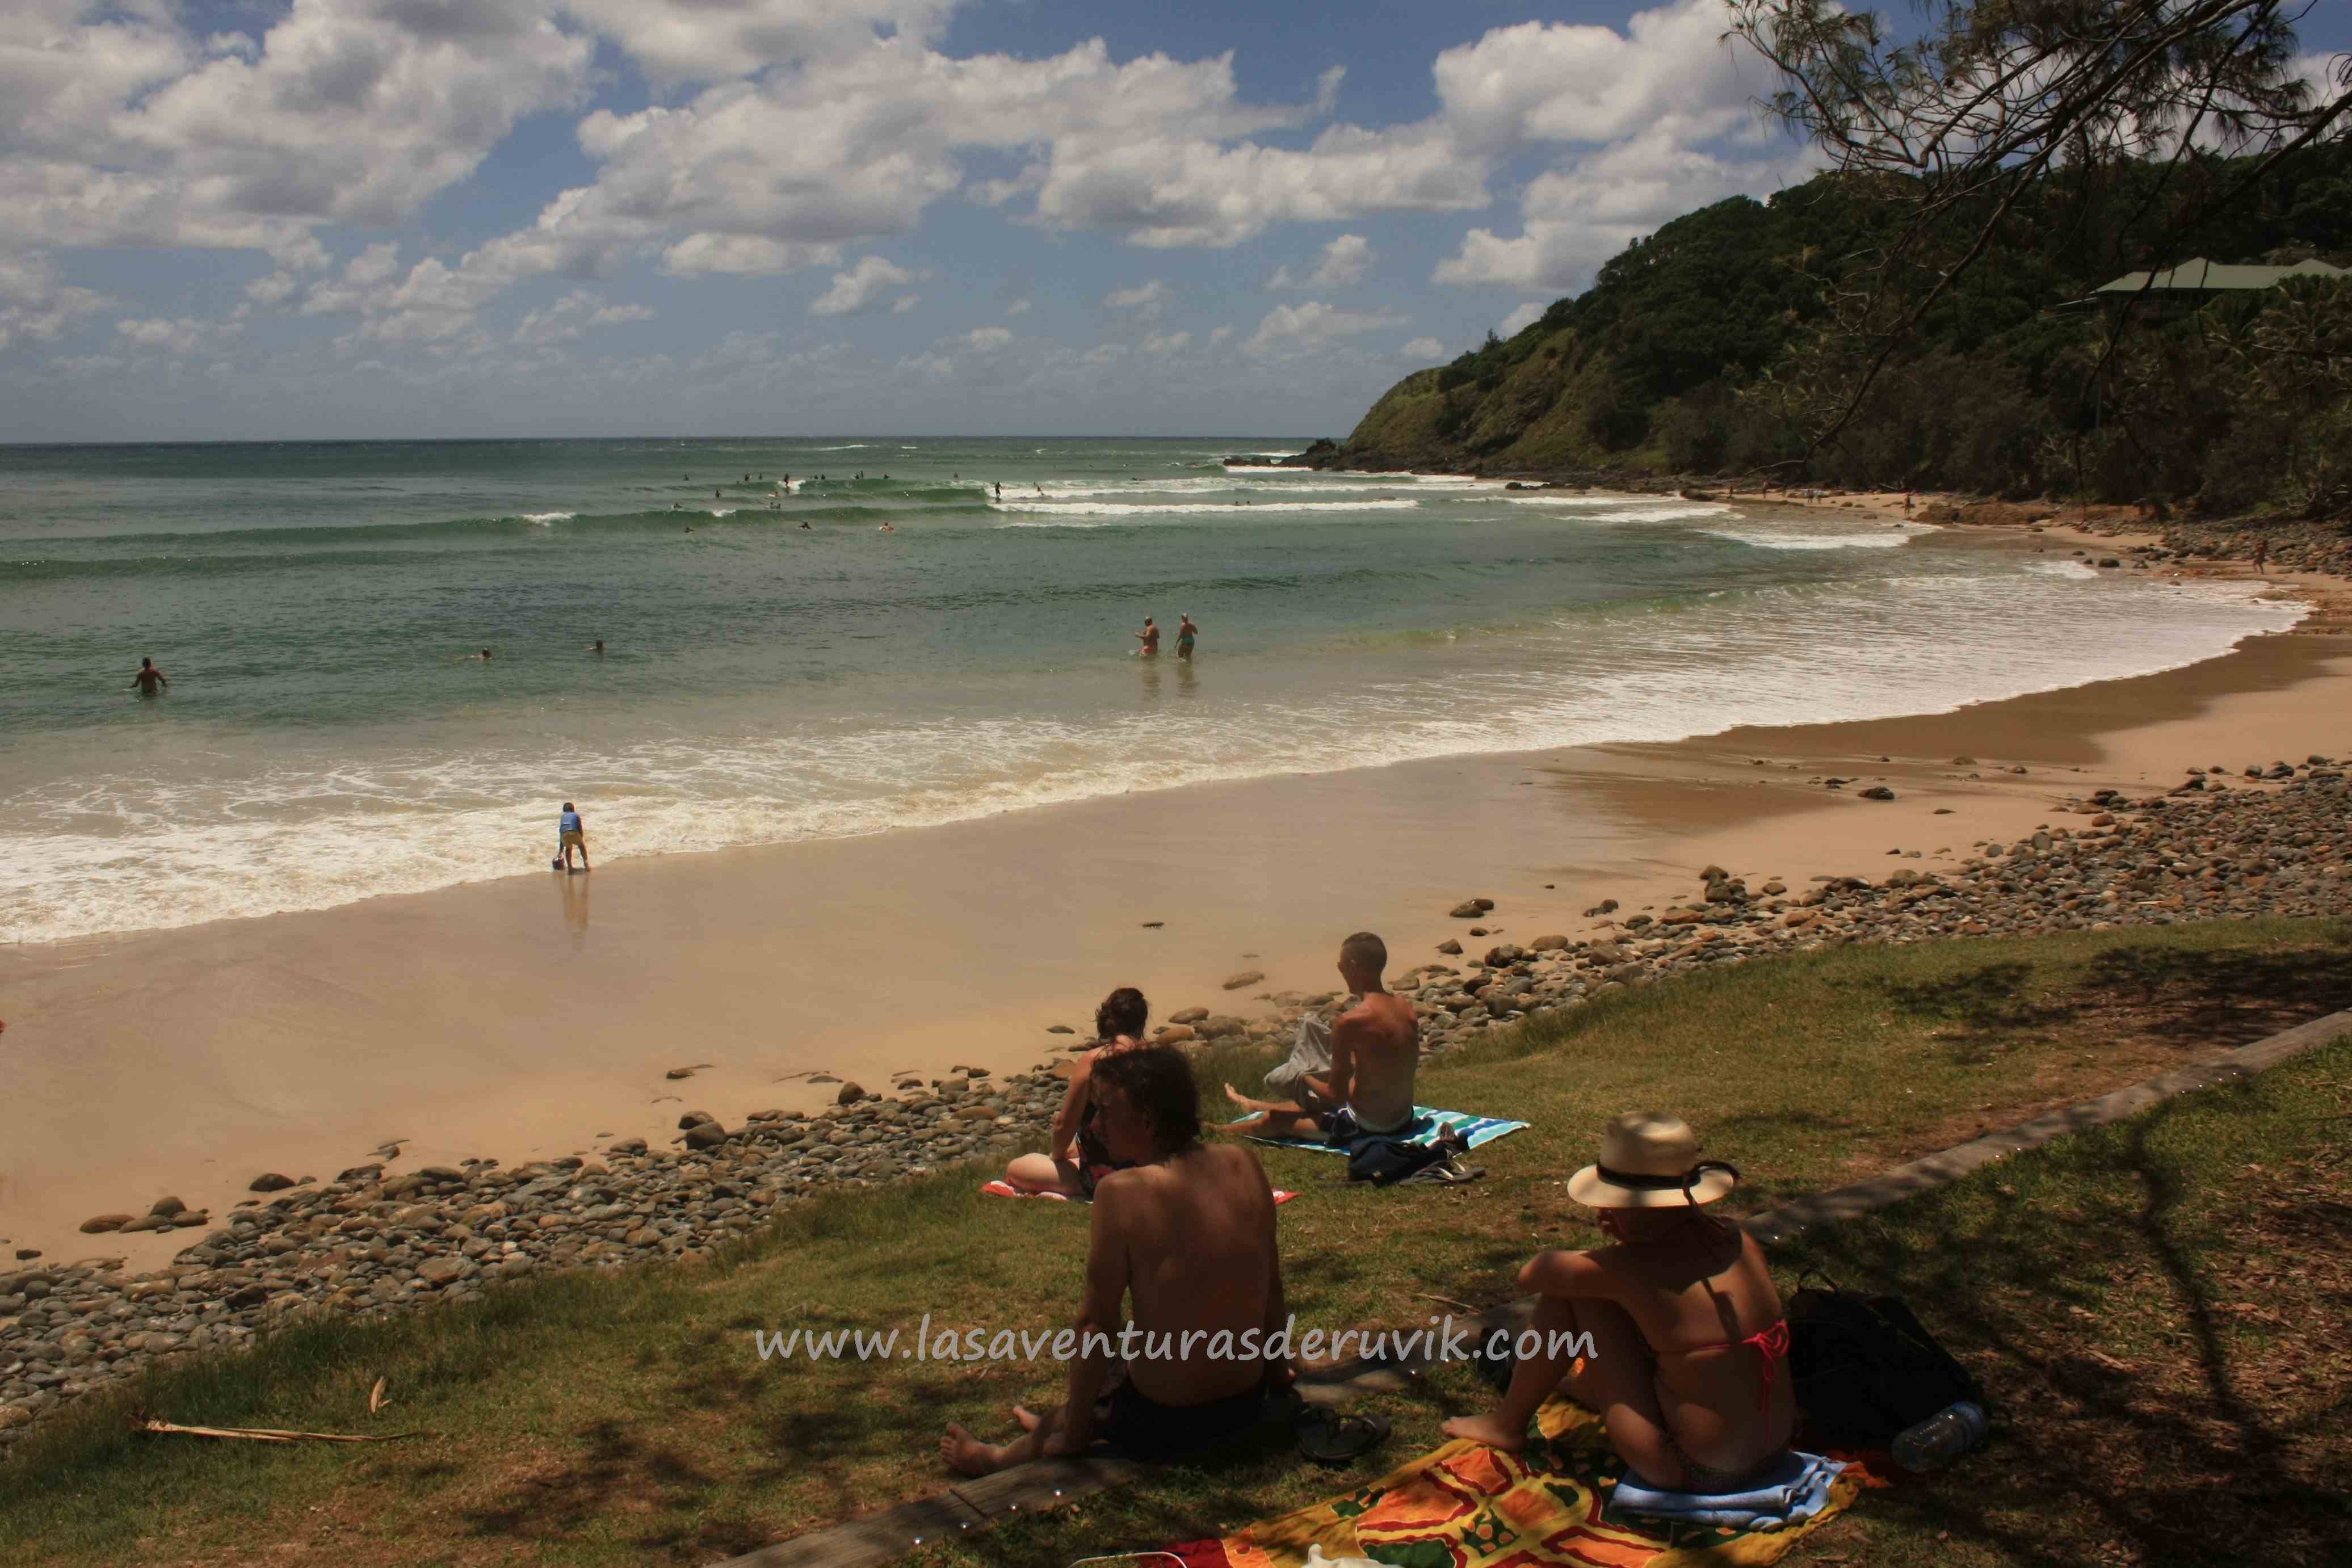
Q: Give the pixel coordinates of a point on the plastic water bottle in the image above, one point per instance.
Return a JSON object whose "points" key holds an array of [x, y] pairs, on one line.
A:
{"points": [[1941, 1438]]}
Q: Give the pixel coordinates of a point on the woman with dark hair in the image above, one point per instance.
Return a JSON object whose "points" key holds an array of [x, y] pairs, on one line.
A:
{"points": [[1078, 1157]]}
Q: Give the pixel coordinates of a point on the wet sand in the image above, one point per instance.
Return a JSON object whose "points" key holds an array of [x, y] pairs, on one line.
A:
{"points": [[537, 1016]]}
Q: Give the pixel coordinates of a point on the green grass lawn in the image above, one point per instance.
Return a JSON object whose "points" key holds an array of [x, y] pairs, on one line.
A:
{"points": [[2117, 1292]]}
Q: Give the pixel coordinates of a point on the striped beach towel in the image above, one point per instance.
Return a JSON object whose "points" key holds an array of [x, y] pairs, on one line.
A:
{"points": [[1428, 1126]]}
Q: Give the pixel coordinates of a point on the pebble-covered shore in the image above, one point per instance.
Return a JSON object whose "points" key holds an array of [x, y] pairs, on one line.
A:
{"points": [[2273, 838]]}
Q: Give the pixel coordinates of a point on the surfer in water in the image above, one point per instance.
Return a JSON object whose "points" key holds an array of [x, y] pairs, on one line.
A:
{"points": [[149, 680], [597, 646]]}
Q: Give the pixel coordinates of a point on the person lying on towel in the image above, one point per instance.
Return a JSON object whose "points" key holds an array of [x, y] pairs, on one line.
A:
{"points": [[1688, 1365], [1185, 1232], [1375, 1046], [1077, 1159]]}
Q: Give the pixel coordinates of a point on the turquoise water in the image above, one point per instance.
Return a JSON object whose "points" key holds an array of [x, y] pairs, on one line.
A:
{"points": [[326, 736]]}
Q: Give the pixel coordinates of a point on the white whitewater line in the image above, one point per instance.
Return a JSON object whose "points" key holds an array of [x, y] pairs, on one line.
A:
{"points": [[1765, 539], [1043, 508], [125, 853]]}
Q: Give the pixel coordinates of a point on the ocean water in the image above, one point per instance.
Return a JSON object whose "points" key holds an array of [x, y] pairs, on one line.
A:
{"points": [[326, 736]]}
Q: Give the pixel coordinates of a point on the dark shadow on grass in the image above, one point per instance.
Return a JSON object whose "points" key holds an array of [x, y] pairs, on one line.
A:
{"points": [[2205, 999], [2112, 1459]]}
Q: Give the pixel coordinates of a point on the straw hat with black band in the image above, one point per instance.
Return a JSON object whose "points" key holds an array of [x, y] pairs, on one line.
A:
{"points": [[1650, 1160]]}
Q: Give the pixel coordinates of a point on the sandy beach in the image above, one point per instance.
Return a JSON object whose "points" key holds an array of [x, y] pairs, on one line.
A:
{"points": [[538, 1015]]}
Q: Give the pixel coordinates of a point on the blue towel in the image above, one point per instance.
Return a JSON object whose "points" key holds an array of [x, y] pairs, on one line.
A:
{"points": [[1789, 1493], [1424, 1128]]}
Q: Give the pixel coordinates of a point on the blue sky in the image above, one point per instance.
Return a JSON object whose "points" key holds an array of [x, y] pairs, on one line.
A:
{"points": [[461, 217]]}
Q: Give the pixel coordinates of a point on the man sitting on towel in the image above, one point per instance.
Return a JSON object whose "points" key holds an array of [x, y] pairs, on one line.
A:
{"points": [[1186, 1231], [1375, 1046]]}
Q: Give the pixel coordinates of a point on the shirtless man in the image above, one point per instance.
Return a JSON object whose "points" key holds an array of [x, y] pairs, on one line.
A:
{"points": [[1375, 1046], [1149, 638], [1688, 1365], [1187, 1234], [149, 680]]}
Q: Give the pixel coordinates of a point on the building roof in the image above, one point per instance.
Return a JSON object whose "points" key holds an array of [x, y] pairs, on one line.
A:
{"points": [[2199, 275]]}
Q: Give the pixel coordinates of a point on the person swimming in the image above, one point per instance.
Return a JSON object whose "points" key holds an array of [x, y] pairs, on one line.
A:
{"points": [[150, 680]]}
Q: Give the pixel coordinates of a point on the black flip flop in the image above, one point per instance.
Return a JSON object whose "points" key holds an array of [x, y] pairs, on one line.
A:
{"points": [[1328, 1437]]}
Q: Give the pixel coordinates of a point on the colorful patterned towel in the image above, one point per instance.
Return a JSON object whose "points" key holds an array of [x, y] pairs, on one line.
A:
{"points": [[1006, 1190], [1428, 1127], [1465, 1506]]}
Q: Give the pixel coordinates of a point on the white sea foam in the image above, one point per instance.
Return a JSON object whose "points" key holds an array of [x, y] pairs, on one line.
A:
{"points": [[1783, 539], [544, 518], [1042, 513], [223, 832]]}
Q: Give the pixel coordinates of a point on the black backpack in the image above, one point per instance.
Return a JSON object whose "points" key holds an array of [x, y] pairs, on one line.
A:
{"points": [[1384, 1160], [1866, 1367]]}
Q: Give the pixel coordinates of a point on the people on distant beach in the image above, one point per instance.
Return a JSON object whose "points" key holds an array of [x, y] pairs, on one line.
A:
{"points": [[569, 836], [1184, 1232], [1076, 1156], [2262, 556], [1186, 634], [1149, 638], [1688, 1360], [148, 679], [1375, 1047]]}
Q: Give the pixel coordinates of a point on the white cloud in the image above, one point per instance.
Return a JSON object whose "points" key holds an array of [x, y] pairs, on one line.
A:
{"points": [[1655, 108], [904, 303], [987, 339], [132, 130], [1219, 335], [1574, 220], [572, 317], [275, 289], [1557, 82], [710, 40], [1148, 298], [856, 290], [1424, 349], [34, 305], [1344, 261], [183, 335], [1290, 329], [1522, 318], [744, 255], [1166, 343], [1018, 308]]}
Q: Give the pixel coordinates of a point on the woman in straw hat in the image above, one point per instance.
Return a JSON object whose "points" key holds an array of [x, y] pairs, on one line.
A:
{"points": [[1674, 1335]]}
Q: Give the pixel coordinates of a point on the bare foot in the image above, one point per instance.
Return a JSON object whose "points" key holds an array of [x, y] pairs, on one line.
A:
{"points": [[1240, 1098], [1485, 1430], [967, 1455], [1026, 1417]]}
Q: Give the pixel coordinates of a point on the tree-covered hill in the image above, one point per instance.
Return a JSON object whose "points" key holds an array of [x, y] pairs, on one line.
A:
{"points": [[1704, 349]]}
